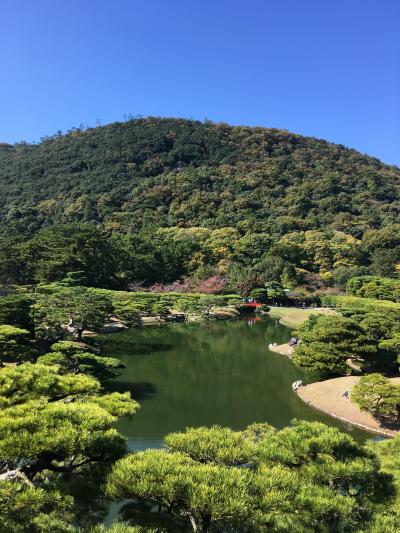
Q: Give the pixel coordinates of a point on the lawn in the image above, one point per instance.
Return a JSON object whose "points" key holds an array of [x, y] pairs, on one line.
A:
{"points": [[293, 317]]}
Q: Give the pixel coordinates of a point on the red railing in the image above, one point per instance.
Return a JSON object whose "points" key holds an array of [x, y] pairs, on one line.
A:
{"points": [[252, 304]]}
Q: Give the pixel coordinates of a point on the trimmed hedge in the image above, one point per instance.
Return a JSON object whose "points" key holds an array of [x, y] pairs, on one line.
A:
{"points": [[354, 302]]}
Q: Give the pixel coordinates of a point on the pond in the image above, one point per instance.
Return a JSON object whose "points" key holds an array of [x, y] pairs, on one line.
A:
{"points": [[186, 375]]}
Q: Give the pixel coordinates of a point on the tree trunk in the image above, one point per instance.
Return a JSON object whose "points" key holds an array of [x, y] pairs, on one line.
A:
{"points": [[192, 521], [78, 333]]}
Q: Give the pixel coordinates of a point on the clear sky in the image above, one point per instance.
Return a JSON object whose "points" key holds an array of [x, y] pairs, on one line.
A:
{"points": [[325, 68]]}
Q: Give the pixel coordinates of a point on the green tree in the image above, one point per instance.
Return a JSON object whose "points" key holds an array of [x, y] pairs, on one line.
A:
{"points": [[75, 279], [202, 306], [56, 251], [15, 310], [200, 493], [383, 261], [374, 287], [261, 295], [13, 344], [324, 456], [63, 437], [387, 517], [161, 309], [74, 309], [102, 368], [121, 527], [128, 312], [392, 345], [270, 267], [252, 245], [376, 394], [12, 265], [307, 477], [242, 280], [275, 291], [207, 303], [71, 358], [213, 445], [29, 381], [35, 509], [330, 341]]}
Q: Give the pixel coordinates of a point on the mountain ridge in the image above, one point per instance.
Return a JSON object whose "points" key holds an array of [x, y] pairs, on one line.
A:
{"points": [[172, 172]]}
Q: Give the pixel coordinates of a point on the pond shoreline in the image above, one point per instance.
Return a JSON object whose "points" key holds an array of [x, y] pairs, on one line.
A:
{"points": [[328, 397], [282, 349], [204, 374]]}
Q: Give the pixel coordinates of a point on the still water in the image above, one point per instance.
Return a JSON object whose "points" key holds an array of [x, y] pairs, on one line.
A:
{"points": [[203, 374]]}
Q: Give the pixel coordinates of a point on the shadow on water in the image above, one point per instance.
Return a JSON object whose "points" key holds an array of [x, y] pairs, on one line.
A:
{"points": [[136, 348], [138, 390], [203, 374]]}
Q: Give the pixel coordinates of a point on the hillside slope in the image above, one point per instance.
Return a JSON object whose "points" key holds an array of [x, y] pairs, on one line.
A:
{"points": [[171, 172]]}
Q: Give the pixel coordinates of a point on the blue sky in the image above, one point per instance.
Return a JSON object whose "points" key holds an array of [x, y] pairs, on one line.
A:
{"points": [[325, 68]]}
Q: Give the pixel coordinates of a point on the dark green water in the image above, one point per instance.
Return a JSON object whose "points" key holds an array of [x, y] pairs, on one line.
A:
{"points": [[204, 374]]}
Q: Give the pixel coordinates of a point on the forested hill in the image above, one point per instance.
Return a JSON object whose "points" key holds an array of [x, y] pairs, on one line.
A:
{"points": [[171, 172]]}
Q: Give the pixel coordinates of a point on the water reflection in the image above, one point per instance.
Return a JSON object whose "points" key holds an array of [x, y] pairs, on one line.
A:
{"points": [[214, 373]]}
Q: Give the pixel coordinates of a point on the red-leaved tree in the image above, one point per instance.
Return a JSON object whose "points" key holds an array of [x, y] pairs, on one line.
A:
{"points": [[213, 285]]}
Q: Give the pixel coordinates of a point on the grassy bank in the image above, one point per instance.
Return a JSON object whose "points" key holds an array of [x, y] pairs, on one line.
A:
{"points": [[293, 317]]}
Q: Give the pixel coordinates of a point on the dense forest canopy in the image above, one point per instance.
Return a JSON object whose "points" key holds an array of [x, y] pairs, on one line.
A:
{"points": [[190, 198], [181, 172]]}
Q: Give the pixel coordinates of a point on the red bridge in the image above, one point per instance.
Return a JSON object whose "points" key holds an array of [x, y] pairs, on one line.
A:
{"points": [[252, 304]]}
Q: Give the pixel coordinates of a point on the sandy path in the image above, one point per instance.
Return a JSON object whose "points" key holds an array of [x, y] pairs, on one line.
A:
{"points": [[326, 396]]}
